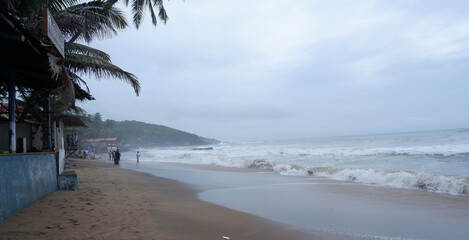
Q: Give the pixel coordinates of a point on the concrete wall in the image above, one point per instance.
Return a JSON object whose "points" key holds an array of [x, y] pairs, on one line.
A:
{"points": [[24, 178], [59, 144]]}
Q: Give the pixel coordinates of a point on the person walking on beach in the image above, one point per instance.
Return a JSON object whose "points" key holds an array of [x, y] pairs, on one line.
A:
{"points": [[75, 140], [117, 157], [138, 156], [69, 142]]}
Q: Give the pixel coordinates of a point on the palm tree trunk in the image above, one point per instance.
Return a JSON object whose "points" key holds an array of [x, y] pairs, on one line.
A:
{"points": [[77, 34]]}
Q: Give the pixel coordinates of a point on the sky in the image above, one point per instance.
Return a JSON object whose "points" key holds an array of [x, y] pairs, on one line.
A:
{"points": [[273, 70]]}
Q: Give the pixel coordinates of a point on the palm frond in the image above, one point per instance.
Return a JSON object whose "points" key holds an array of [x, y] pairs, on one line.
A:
{"points": [[153, 15], [31, 10], [58, 5], [86, 50], [137, 11], [99, 68], [91, 20], [78, 80], [162, 12]]}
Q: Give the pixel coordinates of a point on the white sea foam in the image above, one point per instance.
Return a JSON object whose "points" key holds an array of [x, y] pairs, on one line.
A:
{"points": [[398, 179], [434, 161]]}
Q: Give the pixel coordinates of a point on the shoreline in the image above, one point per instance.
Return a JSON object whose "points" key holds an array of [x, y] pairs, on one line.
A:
{"points": [[118, 203], [325, 207]]}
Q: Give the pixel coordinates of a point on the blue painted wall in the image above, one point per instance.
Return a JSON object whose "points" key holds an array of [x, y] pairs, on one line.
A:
{"points": [[24, 178]]}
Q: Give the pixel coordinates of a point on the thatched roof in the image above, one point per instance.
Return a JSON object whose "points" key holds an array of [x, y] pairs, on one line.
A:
{"points": [[71, 120]]}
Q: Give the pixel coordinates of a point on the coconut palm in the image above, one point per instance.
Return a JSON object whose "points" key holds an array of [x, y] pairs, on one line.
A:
{"points": [[89, 21], [85, 21], [29, 8]]}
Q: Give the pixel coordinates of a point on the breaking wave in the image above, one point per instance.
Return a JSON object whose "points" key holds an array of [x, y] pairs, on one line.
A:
{"points": [[429, 161], [397, 179]]}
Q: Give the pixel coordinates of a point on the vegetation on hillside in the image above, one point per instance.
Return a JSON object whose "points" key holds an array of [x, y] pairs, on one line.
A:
{"points": [[140, 134]]}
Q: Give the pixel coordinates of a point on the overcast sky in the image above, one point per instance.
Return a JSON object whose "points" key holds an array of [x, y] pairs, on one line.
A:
{"points": [[273, 69]]}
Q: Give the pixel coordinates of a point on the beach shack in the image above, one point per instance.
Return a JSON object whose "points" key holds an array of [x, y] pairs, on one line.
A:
{"points": [[31, 142], [103, 144]]}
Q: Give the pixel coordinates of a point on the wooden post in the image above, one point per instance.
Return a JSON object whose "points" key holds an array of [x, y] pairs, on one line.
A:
{"points": [[49, 124]]}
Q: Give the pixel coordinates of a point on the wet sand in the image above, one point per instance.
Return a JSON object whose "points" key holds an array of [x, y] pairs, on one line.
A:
{"points": [[327, 208], [116, 203]]}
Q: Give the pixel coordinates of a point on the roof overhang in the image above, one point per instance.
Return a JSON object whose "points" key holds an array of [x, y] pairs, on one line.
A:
{"points": [[71, 120], [23, 54]]}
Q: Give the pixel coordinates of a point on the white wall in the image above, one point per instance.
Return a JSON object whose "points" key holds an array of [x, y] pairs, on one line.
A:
{"points": [[59, 144], [23, 130]]}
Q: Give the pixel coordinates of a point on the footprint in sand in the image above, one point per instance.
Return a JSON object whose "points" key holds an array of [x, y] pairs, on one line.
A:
{"points": [[74, 221]]}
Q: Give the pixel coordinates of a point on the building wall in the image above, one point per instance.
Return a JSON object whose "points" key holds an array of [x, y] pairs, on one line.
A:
{"points": [[23, 130], [36, 141], [24, 178], [4, 142], [59, 144]]}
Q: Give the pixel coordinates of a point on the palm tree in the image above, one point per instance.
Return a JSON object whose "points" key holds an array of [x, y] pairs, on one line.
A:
{"points": [[81, 21], [138, 8], [87, 21], [29, 8]]}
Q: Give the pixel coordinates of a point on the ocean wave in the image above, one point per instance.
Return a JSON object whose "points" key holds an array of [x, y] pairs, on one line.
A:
{"points": [[410, 172], [437, 150], [397, 179], [260, 163]]}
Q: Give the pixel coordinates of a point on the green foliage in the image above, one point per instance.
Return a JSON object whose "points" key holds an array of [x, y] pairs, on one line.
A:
{"points": [[140, 134]]}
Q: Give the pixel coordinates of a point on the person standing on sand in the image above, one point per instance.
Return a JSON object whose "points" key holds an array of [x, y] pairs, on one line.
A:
{"points": [[69, 142], [74, 139], [138, 156], [117, 157]]}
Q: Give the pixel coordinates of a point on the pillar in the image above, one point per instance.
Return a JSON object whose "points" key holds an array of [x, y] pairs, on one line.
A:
{"points": [[12, 110]]}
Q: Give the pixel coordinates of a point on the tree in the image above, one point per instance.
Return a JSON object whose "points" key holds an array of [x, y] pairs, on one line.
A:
{"points": [[138, 8], [97, 124], [108, 125], [86, 21], [28, 8]]}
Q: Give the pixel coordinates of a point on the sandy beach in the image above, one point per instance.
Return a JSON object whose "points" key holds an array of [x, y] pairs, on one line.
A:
{"points": [[116, 203]]}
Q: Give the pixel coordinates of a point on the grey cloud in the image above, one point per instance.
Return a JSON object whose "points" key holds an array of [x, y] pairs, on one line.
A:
{"points": [[227, 111], [223, 70]]}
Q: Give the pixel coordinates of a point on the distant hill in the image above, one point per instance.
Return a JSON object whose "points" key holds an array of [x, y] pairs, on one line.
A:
{"points": [[140, 134], [136, 134]]}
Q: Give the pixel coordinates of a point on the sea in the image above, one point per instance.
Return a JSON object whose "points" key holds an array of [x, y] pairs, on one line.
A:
{"points": [[397, 186], [434, 161]]}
